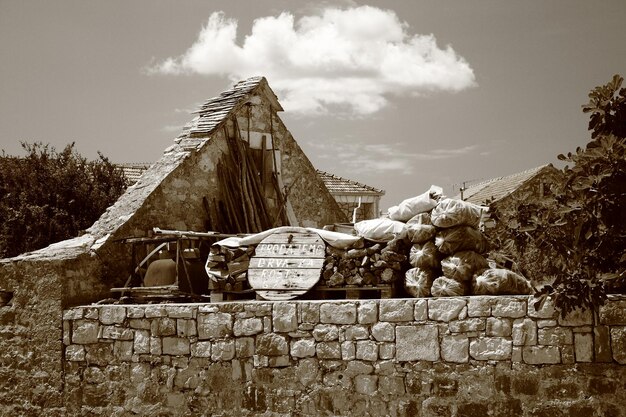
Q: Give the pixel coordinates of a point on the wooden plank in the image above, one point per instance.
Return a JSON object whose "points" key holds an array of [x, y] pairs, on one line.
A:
{"points": [[286, 265], [297, 247]]}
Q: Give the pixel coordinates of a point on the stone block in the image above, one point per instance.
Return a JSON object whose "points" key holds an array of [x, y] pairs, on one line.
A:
{"points": [[546, 323], [516, 354], [156, 346], [67, 332], [445, 309], [555, 336], [115, 333], [271, 344], [259, 309], [509, 307], [384, 332], [123, 350], [135, 312], [143, 324], [366, 350], [214, 325], [141, 342], [391, 385], [267, 324], [366, 384], [284, 318], [176, 346], [91, 313], [524, 332], [213, 308], [618, 344], [73, 314], [479, 306], [328, 350], [498, 327], [261, 361], [163, 326], [368, 312], [75, 353], [455, 348], [420, 312], [179, 312], [248, 327], [578, 317], [154, 311], [602, 344], [354, 368], [538, 355], [356, 333], [467, 325], [348, 351], [338, 313], [541, 310], [567, 354], [279, 361], [223, 350], [387, 351], [613, 312], [491, 348], [186, 328], [112, 314], [583, 347], [85, 332], [244, 347], [303, 348], [415, 343], [309, 312], [396, 310], [201, 349], [326, 333]]}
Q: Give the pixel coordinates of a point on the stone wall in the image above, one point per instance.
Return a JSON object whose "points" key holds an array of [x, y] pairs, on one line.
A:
{"points": [[466, 356]]}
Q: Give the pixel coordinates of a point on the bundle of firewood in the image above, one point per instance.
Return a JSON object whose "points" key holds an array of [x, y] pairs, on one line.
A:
{"points": [[228, 267], [373, 264]]}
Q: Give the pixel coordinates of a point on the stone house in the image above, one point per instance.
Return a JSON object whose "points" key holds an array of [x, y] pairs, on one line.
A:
{"points": [[500, 190], [349, 194]]}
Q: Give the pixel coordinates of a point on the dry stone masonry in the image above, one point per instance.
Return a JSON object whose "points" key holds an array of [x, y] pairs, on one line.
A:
{"points": [[462, 356]]}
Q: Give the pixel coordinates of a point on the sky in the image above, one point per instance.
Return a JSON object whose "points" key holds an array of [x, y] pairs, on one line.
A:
{"points": [[398, 95]]}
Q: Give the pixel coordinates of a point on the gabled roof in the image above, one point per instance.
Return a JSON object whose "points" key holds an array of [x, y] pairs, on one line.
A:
{"points": [[340, 185], [217, 109], [498, 188]]}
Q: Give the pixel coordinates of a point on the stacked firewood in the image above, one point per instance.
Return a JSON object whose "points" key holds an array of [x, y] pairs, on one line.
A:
{"points": [[371, 265], [228, 267]]}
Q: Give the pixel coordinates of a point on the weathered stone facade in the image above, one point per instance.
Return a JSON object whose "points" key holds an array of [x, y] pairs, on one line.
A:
{"points": [[466, 356]]}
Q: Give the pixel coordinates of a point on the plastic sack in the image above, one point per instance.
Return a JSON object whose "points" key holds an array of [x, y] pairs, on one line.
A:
{"points": [[452, 212], [416, 205], [500, 282], [424, 256], [380, 230], [461, 238], [446, 287], [417, 282], [463, 265], [420, 229]]}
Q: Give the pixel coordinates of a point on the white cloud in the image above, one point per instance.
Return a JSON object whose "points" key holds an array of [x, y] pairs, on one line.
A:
{"points": [[336, 59], [382, 158]]}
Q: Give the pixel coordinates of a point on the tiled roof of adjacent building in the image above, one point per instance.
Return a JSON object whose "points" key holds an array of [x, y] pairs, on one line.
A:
{"points": [[133, 171], [498, 188], [340, 185]]}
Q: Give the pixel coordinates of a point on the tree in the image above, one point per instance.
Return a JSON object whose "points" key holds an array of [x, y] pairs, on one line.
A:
{"points": [[578, 232], [49, 196]]}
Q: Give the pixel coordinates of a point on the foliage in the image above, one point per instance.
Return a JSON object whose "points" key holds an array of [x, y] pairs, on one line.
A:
{"points": [[49, 196], [576, 234]]}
